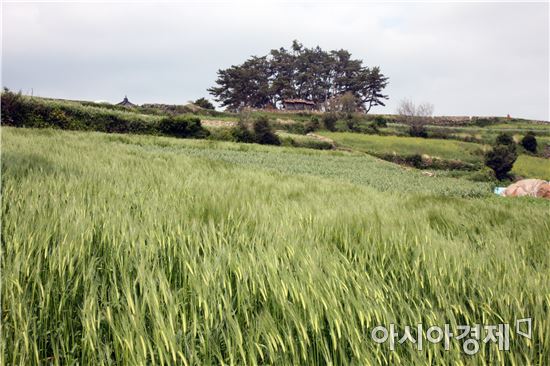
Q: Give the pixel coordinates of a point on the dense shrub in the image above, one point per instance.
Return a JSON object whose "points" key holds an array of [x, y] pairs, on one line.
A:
{"points": [[340, 126], [182, 126], [297, 128], [485, 121], [356, 122], [305, 142], [314, 144], [58, 117], [467, 138], [504, 139], [20, 111], [12, 108], [371, 128], [529, 142], [204, 103], [502, 156], [380, 121], [418, 130], [501, 159], [438, 134], [352, 124], [241, 133], [312, 125], [348, 125], [329, 121], [263, 132], [414, 160]]}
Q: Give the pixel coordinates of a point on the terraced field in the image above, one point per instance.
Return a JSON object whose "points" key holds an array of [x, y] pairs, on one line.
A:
{"points": [[444, 149], [532, 167]]}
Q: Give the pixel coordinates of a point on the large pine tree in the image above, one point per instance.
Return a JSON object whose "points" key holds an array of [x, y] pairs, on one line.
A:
{"points": [[306, 73]]}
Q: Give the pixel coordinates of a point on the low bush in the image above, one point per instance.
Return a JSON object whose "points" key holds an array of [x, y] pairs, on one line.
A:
{"points": [[241, 133], [263, 132], [467, 138], [329, 121], [485, 121], [380, 121], [314, 144], [297, 128], [418, 130], [529, 142], [182, 126], [305, 142], [505, 139], [371, 128], [204, 103], [414, 160], [312, 125], [352, 125]]}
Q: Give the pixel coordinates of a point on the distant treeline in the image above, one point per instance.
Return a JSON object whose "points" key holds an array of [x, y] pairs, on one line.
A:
{"points": [[303, 73]]}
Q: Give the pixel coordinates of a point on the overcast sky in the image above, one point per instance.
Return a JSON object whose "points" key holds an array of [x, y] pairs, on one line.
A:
{"points": [[465, 58]]}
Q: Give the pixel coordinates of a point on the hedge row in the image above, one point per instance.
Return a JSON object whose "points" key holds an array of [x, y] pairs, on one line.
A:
{"points": [[423, 162], [20, 111]]}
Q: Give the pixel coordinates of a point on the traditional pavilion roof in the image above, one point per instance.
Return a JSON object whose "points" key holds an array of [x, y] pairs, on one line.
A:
{"points": [[126, 103]]}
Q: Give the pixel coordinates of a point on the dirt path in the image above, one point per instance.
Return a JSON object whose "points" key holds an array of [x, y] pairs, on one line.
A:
{"points": [[217, 123]]}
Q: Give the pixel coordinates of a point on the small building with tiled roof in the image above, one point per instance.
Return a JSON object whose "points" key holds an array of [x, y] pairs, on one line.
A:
{"points": [[298, 105]]}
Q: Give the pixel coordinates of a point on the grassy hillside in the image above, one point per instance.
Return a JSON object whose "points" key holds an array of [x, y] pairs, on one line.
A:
{"points": [[150, 250], [526, 125], [543, 140], [526, 166], [532, 167], [455, 149]]}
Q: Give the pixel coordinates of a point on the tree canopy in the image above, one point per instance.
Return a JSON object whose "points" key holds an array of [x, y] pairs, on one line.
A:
{"points": [[299, 73], [502, 156]]}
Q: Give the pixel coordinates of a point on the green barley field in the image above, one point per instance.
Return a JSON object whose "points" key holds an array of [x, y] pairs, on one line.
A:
{"points": [[532, 166], [143, 250], [525, 166]]}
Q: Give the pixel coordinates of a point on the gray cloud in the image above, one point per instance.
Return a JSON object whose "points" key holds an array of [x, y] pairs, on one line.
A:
{"points": [[465, 58]]}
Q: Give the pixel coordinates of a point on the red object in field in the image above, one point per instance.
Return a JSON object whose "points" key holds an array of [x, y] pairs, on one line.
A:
{"points": [[508, 116]]}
